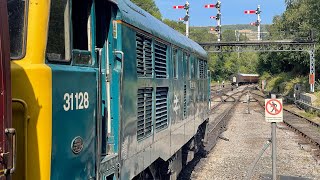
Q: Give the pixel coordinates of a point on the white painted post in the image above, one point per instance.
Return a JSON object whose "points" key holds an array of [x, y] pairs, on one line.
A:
{"points": [[259, 21], [187, 5], [219, 21], [312, 71]]}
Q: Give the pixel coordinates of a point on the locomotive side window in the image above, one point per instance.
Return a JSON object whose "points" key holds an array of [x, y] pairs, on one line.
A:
{"points": [[64, 27], [175, 63], [17, 11], [81, 21], [81, 32], [58, 46]]}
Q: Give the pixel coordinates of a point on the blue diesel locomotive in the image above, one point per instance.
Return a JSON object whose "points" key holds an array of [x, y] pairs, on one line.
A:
{"points": [[103, 90], [164, 104]]}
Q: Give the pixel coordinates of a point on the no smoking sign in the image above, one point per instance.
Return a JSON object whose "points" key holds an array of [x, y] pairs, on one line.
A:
{"points": [[273, 110]]}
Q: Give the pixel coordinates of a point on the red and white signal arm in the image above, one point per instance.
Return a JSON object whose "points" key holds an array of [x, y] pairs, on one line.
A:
{"points": [[212, 29], [212, 17], [178, 7], [253, 24], [250, 11], [209, 6], [181, 19], [273, 110]]}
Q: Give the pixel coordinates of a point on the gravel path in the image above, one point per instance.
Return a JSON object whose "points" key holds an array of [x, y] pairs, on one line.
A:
{"points": [[247, 133]]}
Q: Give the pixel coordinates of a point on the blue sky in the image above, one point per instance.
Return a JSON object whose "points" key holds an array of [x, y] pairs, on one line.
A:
{"points": [[232, 11]]}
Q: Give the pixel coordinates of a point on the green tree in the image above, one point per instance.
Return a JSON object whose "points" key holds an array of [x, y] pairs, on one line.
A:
{"points": [[178, 26], [229, 35], [149, 6], [295, 23], [202, 34]]}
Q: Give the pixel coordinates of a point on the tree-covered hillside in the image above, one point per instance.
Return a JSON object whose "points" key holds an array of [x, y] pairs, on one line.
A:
{"points": [[149, 6]]}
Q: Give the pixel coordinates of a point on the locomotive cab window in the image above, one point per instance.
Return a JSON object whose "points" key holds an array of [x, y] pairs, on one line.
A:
{"points": [[175, 63], [17, 11], [81, 34], [69, 31]]}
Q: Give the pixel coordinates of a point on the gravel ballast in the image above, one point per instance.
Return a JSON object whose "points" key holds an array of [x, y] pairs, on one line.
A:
{"points": [[247, 134]]}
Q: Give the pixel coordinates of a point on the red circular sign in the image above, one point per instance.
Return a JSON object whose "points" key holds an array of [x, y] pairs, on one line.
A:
{"points": [[275, 110]]}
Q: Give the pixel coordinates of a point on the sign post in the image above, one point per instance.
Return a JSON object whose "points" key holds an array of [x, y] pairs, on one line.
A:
{"points": [[274, 114]]}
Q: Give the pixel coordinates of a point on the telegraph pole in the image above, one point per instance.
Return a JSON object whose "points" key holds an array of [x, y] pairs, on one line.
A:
{"points": [[186, 18]]}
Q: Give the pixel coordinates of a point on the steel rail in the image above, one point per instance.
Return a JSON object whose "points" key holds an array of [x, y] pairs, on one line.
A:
{"points": [[219, 125], [299, 129]]}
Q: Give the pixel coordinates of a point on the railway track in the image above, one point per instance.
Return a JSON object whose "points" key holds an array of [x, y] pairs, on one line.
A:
{"points": [[217, 91], [216, 126], [303, 126], [223, 96], [219, 123]]}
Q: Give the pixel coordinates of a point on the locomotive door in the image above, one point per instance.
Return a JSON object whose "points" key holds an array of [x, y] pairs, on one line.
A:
{"points": [[108, 88], [74, 65], [6, 160]]}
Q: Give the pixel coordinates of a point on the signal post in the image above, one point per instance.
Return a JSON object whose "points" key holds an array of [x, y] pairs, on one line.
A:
{"points": [[218, 17], [312, 71], [186, 17], [258, 22]]}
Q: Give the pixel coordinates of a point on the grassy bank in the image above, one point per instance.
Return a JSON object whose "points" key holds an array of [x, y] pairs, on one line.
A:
{"points": [[283, 83]]}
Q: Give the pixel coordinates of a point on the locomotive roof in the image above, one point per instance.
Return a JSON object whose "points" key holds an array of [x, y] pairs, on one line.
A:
{"points": [[134, 15]]}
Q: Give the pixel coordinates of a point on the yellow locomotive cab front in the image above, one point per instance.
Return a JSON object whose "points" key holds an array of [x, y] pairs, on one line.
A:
{"points": [[31, 88]]}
